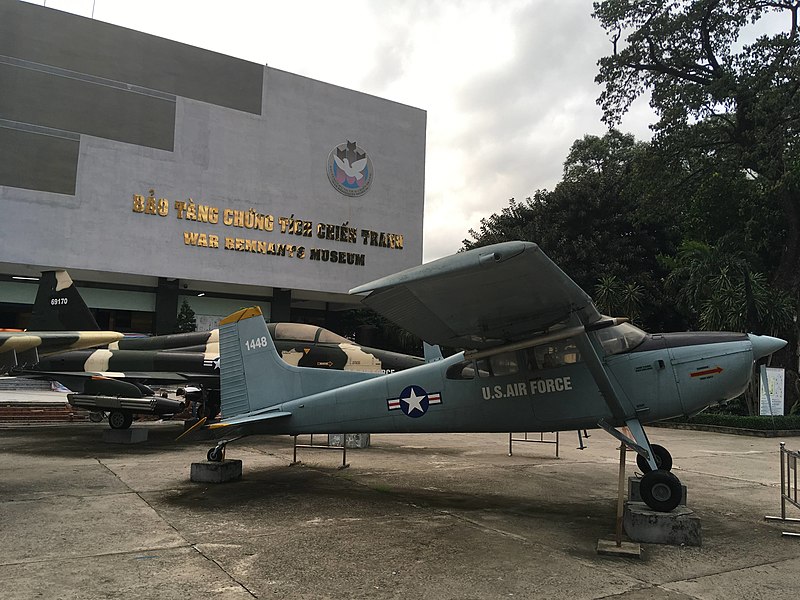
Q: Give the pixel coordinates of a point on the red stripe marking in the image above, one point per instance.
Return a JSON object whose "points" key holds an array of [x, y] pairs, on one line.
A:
{"points": [[713, 371]]}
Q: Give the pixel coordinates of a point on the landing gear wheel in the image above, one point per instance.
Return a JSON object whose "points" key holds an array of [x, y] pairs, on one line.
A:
{"points": [[120, 419], [216, 454], [97, 416], [662, 456], [660, 490]]}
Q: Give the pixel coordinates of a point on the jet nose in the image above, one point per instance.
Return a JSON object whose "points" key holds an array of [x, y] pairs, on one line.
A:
{"points": [[764, 345]]}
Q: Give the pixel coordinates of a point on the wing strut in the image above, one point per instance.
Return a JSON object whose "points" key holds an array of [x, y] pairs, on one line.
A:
{"points": [[617, 402]]}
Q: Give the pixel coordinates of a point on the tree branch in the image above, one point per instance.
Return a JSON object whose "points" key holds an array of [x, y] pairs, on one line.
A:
{"points": [[705, 34]]}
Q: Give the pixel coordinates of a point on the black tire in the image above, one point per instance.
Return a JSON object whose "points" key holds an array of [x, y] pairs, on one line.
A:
{"points": [[215, 454], [120, 419], [662, 456], [97, 416], [661, 490]]}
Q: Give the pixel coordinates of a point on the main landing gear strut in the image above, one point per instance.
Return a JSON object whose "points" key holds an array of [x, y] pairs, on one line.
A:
{"points": [[660, 489]]}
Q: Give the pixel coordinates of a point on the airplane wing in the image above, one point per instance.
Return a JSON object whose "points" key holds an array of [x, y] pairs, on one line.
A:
{"points": [[155, 376], [481, 298], [26, 347]]}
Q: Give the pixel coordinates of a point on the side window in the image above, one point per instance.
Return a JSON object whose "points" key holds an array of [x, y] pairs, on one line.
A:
{"points": [[499, 364], [556, 354], [531, 359], [504, 364], [462, 370]]}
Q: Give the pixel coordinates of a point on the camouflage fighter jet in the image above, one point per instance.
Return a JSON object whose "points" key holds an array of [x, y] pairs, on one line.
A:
{"points": [[539, 357], [118, 380], [60, 321]]}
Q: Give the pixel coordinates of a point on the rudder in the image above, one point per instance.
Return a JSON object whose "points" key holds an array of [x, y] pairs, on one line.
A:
{"points": [[59, 306]]}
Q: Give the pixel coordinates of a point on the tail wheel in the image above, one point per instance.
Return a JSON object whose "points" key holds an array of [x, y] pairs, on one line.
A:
{"points": [[215, 454], [660, 454], [661, 490], [120, 419]]}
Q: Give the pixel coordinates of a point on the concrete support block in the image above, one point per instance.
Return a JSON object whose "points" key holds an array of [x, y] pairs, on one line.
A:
{"points": [[681, 527], [634, 495], [133, 435], [216, 472], [354, 440]]}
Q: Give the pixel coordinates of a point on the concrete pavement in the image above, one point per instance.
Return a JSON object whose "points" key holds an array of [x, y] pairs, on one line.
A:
{"points": [[415, 516]]}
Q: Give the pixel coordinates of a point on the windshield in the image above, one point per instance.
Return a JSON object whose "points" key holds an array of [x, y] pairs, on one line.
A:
{"points": [[620, 338]]}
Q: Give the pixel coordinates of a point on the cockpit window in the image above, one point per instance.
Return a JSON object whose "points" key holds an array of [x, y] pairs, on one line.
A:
{"points": [[620, 338], [328, 337], [296, 331]]}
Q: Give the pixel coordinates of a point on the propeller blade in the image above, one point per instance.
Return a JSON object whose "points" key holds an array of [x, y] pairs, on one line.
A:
{"points": [[194, 427]]}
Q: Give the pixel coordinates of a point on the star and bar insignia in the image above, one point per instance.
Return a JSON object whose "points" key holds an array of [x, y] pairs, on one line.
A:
{"points": [[414, 401]]}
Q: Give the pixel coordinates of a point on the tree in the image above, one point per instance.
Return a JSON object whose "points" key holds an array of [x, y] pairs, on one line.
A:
{"points": [[718, 290], [186, 321], [714, 102], [593, 223]]}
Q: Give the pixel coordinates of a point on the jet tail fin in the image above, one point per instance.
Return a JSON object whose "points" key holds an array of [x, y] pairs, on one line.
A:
{"points": [[59, 306], [253, 376]]}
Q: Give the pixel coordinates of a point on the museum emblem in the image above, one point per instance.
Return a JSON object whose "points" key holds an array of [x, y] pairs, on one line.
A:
{"points": [[350, 169]]}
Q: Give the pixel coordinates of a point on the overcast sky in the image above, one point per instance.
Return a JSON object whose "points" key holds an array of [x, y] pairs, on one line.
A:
{"points": [[508, 85]]}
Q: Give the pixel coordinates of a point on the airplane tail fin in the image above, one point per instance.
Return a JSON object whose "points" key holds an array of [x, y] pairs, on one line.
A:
{"points": [[432, 353], [253, 376], [59, 306]]}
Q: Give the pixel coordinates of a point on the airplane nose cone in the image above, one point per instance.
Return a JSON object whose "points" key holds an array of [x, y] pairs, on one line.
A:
{"points": [[764, 345]]}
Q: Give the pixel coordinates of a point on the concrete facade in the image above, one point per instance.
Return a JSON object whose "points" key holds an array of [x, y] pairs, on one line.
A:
{"points": [[125, 157]]}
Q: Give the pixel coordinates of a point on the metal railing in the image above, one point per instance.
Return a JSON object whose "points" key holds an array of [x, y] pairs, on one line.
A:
{"points": [[541, 440], [312, 446], [788, 488]]}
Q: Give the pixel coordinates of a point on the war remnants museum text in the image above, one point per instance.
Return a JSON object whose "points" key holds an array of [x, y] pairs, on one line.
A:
{"points": [[188, 210]]}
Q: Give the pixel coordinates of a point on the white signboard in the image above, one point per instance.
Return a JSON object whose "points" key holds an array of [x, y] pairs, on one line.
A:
{"points": [[771, 391]]}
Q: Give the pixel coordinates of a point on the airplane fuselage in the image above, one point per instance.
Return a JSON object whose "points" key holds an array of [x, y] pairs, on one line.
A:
{"points": [[666, 376]]}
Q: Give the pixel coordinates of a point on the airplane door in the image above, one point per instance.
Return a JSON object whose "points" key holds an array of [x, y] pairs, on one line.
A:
{"points": [[647, 378], [562, 391]]}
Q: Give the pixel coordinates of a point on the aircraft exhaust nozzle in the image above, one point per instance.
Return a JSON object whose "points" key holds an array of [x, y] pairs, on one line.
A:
{"points": [[764, 345]]}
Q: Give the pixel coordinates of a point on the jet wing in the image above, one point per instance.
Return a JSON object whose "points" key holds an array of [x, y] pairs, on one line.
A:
{"points": [[148, 376], [481, 298]]}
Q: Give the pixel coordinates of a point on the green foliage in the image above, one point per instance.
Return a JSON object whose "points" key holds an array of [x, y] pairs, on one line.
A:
{"points": [[613, 297], [724, 107], [717, 289], [598, 223], [765, 423], [186, 321]]}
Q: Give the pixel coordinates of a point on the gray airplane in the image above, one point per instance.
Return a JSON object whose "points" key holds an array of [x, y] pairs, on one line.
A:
{"points": [[538, 357]]}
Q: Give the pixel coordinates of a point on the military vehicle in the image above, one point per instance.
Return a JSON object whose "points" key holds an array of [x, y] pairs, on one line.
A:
{"points": [[119, 380], [60, 321], [538, 356]]}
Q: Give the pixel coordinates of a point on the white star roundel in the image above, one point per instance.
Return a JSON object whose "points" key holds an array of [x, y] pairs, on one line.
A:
{"points": [[414, 401]]}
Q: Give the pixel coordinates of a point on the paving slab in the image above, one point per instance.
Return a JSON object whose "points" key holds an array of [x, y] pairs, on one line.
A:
{"points": [[423, 516]]}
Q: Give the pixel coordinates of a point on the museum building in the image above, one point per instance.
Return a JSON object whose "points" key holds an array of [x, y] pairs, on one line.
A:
{"points": [[154, 172]]}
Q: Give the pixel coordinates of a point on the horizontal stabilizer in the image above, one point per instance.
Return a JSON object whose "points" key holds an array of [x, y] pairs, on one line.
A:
{"points": [[251, 418]]}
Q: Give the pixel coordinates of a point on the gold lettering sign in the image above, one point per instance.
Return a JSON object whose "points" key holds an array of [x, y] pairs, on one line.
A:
{"points": [[209, 215]]}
